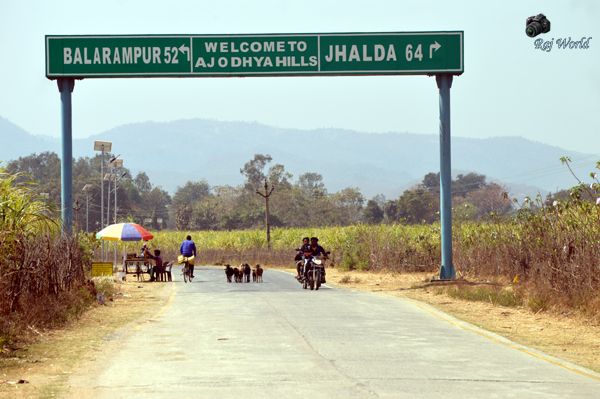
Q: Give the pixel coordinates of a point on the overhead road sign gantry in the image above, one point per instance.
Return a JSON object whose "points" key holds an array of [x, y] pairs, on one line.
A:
{"points": [[437, 53], [308, 54]]}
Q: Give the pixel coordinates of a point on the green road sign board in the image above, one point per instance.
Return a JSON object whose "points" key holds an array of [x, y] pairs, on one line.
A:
{"points": [[318, 54]]}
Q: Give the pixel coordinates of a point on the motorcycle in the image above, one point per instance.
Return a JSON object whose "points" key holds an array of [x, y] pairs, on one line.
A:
{"points": [[313, 271]]}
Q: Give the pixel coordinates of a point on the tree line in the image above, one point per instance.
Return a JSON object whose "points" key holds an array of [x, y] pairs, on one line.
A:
{"points": [[138, 200], [295, 202]]}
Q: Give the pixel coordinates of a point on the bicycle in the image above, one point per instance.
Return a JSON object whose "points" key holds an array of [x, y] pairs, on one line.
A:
{"points": [[186, 270], [187, 276]]}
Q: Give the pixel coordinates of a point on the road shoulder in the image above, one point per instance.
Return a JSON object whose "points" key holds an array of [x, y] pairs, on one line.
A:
{"points": [[565, 336], [48, 364]]}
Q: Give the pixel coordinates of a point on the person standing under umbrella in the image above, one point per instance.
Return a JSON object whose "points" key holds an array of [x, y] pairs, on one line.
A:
{"points": [[187, 249]]}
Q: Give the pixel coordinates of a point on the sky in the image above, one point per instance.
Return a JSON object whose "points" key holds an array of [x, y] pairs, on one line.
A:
{"points": [[509, 88]]}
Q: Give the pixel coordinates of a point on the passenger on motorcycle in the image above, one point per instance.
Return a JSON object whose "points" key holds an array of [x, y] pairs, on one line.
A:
{"points": [[299, 255]]}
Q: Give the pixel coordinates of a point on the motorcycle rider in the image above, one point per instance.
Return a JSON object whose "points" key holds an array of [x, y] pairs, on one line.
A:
{"points": [[314, 249]]}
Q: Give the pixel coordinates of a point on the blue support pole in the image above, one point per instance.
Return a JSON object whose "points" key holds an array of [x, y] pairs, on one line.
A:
{"points": [[444, 83], [65, 86]]}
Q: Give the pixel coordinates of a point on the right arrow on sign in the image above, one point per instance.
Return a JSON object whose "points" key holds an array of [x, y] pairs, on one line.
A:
{"points": [[433, 47]]}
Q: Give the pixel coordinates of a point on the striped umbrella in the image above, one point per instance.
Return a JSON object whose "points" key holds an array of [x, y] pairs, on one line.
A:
{"points": [[124, 232]]}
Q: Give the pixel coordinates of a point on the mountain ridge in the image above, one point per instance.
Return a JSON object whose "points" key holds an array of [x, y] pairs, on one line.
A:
{"points": [[172, 152]]}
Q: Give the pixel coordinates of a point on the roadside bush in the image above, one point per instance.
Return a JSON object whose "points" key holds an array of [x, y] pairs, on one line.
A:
{"points": [[42, 281]]}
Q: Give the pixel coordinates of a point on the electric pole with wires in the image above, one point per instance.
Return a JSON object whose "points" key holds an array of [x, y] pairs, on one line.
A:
{"points": [[266, 196]]}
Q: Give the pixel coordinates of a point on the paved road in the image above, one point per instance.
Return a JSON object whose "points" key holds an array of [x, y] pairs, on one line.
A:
{"points": [[275, 340]]}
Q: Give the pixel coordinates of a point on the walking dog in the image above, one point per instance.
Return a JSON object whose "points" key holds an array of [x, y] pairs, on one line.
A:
{"points": [[228, 272], [259, 273], [247, 269], [237, 274]]}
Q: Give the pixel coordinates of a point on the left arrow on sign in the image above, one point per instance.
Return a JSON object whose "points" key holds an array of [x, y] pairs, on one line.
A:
{"points": [[433, 47], [185, 49]]}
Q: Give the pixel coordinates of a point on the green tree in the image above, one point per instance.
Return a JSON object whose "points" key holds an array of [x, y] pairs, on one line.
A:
{"points": [[311, 183], [490, 199], [191, 192], [183, 217], [417, 206], [155, 204], [464, 184], [43, 169], [279, 177], [431, 181], [348, 206], [373, 213], [207, 214], [253, 171], [390, 211], [142, 183]]}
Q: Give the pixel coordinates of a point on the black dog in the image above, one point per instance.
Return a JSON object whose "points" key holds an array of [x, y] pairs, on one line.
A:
{"points": [[247, 272], [228, 272]]}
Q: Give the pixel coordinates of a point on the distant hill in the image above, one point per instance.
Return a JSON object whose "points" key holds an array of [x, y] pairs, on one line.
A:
{"points": [[16, 142], [174, 152]]}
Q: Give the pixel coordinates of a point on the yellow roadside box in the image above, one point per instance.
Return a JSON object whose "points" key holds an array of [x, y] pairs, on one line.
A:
{"points": [[100, 269]]}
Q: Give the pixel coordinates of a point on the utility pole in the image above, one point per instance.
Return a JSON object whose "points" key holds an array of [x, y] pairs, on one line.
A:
{"points": [[86, 190], [114, 163], [108, 177], [266, 196], [103, 147], [77, 208]]}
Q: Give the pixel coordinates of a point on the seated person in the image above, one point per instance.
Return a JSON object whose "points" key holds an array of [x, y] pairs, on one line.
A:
{"points": [[158, 263]]}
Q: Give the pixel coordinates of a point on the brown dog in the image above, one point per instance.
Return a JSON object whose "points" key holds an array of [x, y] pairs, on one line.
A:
{"points": [[237, 275], [259, 273]]}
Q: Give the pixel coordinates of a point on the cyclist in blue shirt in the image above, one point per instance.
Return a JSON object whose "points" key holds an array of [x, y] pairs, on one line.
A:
{"points": [[187, 249]]}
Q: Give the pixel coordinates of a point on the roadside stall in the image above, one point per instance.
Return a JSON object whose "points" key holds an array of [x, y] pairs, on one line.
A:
{"points": [[132, 263]]}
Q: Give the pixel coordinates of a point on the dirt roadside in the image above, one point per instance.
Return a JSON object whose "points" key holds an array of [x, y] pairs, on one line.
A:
{"points": [[47, 364], [566, 336]]}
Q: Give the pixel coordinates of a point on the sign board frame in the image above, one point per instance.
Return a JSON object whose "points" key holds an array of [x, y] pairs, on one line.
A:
{"points": [[178, 47]]}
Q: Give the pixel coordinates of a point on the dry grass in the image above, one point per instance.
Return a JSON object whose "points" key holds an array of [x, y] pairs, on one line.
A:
{"points": [[42, 283], [48, 363], [565, 334]]}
